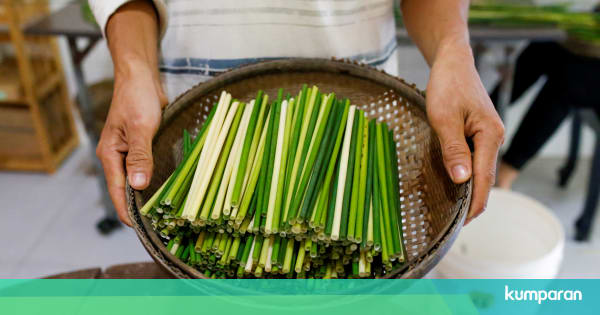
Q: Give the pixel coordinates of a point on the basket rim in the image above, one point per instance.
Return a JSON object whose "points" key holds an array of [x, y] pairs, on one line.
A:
{"points": [[416, 268]]}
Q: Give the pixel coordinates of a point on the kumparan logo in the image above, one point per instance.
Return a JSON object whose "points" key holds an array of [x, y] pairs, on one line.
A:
{"points": [[542, 295]]}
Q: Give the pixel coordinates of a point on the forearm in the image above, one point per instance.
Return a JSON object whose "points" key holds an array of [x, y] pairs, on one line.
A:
{"points": [[132, 35], [438, 27]]}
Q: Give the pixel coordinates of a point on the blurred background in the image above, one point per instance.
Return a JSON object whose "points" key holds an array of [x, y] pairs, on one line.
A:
{"points": [[538, 59]]}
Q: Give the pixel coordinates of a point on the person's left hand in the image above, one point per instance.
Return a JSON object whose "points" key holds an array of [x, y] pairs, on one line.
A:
{"points": [[458, 106]]}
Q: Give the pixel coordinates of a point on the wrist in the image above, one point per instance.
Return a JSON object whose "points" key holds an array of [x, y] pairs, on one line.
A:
{"points": [[455, 47], [131, 68], [139, 74]]}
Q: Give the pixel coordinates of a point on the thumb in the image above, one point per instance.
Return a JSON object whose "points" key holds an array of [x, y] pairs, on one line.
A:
{"points": [[455, 151], [139, 163]]}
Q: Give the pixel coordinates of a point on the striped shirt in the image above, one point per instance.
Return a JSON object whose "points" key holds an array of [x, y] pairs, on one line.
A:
{"points": [[201, 38]]}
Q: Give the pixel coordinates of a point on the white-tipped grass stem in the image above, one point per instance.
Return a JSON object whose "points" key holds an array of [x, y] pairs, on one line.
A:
{"points": [[222, 158], [192, 203], [277, 215], [343, 170], [232, 161], [278, 146], [187, 166], [278, 169], [349, 179], [264, 252]]}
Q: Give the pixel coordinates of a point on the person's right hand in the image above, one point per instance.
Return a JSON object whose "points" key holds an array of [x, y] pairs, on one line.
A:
{"points": [[132, 121]]}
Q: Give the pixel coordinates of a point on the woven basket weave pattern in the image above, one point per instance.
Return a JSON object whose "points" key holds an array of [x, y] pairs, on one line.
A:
{"points": [[430, 203]]}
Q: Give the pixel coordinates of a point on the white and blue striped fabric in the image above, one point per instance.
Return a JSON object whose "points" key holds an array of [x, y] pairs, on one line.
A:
{"points": [[202, 38]]}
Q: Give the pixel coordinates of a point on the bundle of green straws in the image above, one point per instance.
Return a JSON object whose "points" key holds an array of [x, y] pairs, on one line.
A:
{"points": [[303, 187]]}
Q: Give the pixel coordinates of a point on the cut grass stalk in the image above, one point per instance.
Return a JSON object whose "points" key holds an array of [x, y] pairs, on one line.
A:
{"points": [[362, 205], [152, 201], [259, 241], [300, 257], [349, 178], [262, 259], [233, 164], [275, 252], [272, 151], [321, 159], [222, 161], [253, 178], [287, 109], [268, 263], [289, 253], [187, 166], [308, 122], [355, 196], [385, 205], [392, 194], [368, 204], [276, 166], [266, 166], [182, 192], [343, 170], [264, 110], [400, 253], [294, 138], [300, 191], [248, 139], [369, 229], [376, 196], [199, 183], [250, 261], [247, 248], [235, 246], [313, 223]]}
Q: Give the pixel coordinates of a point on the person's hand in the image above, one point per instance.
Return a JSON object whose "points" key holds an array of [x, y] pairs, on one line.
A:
{"points": [[132, 121], [458, 106]]}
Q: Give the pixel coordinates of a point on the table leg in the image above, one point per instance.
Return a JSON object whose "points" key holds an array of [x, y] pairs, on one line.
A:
{"points": [[110, 221]]}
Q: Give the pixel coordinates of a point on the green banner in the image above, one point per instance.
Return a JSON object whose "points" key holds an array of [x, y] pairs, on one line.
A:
{"points": [[306, 297]]}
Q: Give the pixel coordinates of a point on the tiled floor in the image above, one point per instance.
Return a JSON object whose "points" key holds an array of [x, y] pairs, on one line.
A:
{"points": [[47, 222]]}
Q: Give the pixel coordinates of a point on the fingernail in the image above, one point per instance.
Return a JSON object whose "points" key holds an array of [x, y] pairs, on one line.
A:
{"points": [[459, 173], [138, 180]]}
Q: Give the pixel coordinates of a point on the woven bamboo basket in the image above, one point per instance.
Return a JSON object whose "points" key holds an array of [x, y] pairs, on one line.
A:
{"points": [[433, 208]]}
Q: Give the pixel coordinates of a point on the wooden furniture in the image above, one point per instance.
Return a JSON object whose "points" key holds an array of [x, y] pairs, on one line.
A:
{"points": [[140, 270], [37, 130], [68, 22]]}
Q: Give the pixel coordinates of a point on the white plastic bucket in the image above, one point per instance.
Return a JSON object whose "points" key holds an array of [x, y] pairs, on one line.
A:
{"points": [[516, 237]]}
